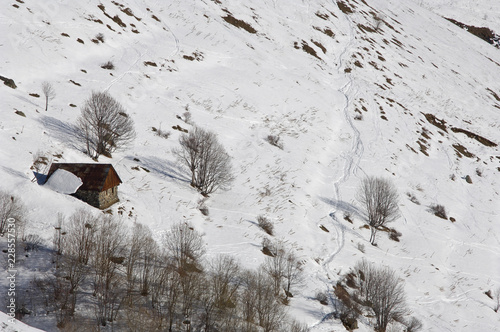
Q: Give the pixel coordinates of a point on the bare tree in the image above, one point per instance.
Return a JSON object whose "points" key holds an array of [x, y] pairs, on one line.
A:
{"points": [[186, 248], [76, 249], [185, 245], [380, 289], [259, 304], [292, 274], [379, 198], [283, 268], [110, 241], [496, 298], [49, 92], [275, 266], [58, 239], [11, 207], [219, 294], [141, 253], [166, 291], [104, 125], [413, 325], [205, 157]]}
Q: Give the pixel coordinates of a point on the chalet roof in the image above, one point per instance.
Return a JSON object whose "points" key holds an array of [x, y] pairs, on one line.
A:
{"points": [[95, 177]]}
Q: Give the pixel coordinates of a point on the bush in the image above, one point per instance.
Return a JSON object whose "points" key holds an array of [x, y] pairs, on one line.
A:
{"points": [[413, 198], [322, 298], [202, 207], [266, 225], [268, 248], [413, 325], [348, 216], [394, 235], [33, 242], [161, 133], [439, 211], [108, 65], [275, 141], [100, 37]]}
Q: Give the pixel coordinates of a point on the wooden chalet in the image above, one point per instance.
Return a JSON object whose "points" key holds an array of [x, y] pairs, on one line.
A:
{"points": [[100, 182]]}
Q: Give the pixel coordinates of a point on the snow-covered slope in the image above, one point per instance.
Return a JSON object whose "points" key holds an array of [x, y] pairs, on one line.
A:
{"points": [[482, 14], [353, 88], [7, 325]]}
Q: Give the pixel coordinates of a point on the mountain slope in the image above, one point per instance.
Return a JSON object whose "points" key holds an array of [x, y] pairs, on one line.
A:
{"points": [[353, 88]]}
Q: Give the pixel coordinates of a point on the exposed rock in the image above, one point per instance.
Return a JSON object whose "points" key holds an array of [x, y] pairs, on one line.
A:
{"points": [[9, 82]]}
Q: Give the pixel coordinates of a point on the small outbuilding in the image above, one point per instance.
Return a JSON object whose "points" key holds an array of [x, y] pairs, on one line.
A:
{"points": [[99, 182]]}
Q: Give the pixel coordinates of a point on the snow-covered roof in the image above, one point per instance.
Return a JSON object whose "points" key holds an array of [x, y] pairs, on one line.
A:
{"points": [[64, 182]]}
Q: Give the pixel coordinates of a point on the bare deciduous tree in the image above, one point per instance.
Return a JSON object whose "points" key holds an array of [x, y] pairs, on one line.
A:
{"points": [[292, 274], [11, 207], [413, 325], [77, 248], [219, 294], [379, 198], [104, 125], [382, 291], [110, 241], [185, 245], [283, 269], [275, 267], [49, 92], [205, 157], [166, 292], [141, 254], [496, 298], [259, 304]]}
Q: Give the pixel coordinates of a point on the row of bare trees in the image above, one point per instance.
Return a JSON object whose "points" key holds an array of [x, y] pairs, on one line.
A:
{"points": [[134, 283]]}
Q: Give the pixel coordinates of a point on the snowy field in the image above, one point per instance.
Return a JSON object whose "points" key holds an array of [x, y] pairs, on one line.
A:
{"points": [[351, 89]]}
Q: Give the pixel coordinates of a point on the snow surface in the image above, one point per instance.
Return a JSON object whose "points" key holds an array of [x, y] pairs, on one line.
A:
{"points": [[7, 326], [358, 110], [63, 182], [484, 13]]}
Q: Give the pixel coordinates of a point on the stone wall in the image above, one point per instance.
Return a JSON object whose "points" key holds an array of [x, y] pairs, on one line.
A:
{"points": [[90, 197], [108, 197], [100, 200]]}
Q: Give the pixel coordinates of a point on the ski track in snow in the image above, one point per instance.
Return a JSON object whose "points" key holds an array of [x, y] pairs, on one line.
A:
{"points": [[352, 159]]}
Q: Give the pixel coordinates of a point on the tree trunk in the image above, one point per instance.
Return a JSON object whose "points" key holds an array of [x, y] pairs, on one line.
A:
{"points": [[372, 237]]}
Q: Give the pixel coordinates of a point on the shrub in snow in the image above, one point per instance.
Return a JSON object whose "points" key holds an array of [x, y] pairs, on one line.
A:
{"points": [[275, 141], [322, 298], [32, 242], [108, 65], [266, 225], [439, 211]]}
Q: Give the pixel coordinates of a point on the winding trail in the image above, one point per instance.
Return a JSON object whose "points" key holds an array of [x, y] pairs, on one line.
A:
{"points": [[351, 158]]}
